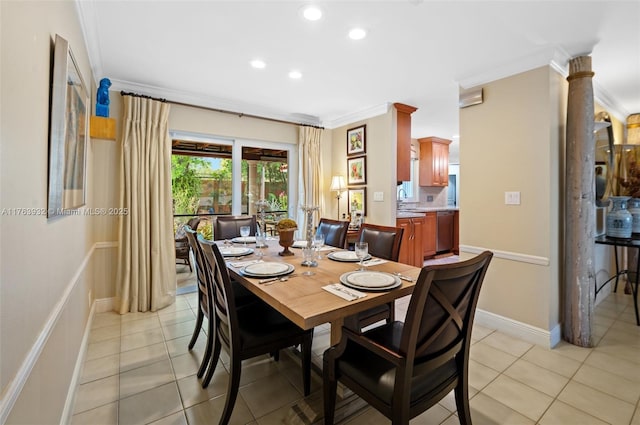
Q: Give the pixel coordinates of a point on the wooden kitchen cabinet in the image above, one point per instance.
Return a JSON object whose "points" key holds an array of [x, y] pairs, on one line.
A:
{"points": [[412, 245], [403, 124], [434, 161], [456, 233], [429, 236]]}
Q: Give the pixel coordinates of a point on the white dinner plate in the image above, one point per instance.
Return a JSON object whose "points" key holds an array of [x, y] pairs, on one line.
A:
{"points": [[267, 269], [349, 256], [370, 281], [246, 239], [299, 244], [235, 251]]}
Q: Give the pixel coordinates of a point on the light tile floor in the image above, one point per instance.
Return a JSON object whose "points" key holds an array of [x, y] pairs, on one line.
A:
{"points": [[138, 371]]}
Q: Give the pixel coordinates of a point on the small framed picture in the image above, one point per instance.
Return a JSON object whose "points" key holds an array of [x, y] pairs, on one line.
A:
{"points": [[356, 140], [357, 170], [357, 198]]}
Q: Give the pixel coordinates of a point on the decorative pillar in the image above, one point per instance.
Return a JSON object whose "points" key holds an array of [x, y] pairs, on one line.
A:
{"points": [[579, 273]]}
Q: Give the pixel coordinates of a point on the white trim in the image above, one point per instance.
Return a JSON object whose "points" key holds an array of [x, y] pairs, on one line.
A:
{"points": [[104, 305], [374, 111], [519, 330], [227, 105], [15, 387], [507, 255], [67, 411]]}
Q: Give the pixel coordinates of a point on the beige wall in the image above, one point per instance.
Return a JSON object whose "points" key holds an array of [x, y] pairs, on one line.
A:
{"points": [[380, 166], [513, 142], [46, 265]]}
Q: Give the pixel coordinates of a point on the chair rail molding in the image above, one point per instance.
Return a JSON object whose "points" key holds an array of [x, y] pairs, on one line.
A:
{"points": [[507, 255]]}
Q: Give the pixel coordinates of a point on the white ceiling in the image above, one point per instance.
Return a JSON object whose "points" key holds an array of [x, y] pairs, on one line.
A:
{"points": [[416, 52]]}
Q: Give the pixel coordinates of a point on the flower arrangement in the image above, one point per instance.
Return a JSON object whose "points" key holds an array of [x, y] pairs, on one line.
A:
{"points": [[286, 223]]}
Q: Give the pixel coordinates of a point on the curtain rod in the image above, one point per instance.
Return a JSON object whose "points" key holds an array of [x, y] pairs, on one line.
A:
{"points": [[224, 111], [124, 93]]}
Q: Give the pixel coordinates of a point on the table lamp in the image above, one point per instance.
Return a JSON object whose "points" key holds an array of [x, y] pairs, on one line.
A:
{"points": [[338, 184]]}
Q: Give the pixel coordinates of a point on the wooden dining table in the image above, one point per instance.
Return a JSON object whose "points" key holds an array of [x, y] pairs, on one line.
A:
{"points": [[301, 298]]}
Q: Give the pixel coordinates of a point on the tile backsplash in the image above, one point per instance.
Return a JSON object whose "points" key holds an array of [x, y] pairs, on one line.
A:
{"points": [[439, 195]]}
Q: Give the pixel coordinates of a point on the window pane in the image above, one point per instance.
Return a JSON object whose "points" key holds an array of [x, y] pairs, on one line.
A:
{"points": [[264, 176]]}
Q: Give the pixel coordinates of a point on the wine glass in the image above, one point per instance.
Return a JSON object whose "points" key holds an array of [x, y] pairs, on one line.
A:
{"points": [[244, 232], [362, 249], [318, 243]]}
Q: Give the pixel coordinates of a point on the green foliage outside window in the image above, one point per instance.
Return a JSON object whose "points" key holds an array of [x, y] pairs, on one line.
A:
{"points": [[185, 182]]}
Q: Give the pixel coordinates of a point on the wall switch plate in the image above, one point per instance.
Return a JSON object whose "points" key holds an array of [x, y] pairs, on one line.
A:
{"points": [[378, 196], [512, 198]]}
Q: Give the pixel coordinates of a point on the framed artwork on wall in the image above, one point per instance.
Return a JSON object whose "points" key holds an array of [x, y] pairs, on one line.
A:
{"points": [[356, 143], [69, 132], [357, 198], [357, 170]]}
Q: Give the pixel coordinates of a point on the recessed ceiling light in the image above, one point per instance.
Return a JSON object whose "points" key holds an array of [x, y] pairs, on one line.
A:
{"points": [[357, 34], [257, 63], [296, 75], [312, 13]]}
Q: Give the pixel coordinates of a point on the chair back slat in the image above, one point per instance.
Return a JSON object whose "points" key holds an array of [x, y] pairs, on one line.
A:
{"points": [[449, 295], [334, 231], [384, 241]]}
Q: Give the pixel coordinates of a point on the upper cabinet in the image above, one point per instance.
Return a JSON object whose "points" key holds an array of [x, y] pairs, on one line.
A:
{"points": [[434, 161], [404, 141]]}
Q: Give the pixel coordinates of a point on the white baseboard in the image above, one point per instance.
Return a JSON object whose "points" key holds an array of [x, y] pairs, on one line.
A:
{"points": [[67, 412], [104, 305], [519, 330]]}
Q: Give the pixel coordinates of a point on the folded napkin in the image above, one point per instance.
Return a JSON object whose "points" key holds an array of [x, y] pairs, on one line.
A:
{"points": [[344, 292], [373, 262], [238, 264]]}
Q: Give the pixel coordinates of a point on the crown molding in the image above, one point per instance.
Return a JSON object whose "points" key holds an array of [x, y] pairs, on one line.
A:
{"points": [[557, 59], [364, 114], [197, 100], [87, 13]]}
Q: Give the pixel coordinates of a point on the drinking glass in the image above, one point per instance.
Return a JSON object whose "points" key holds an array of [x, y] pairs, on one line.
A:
{"points": [[318, 243], [244, 232], [362, 249], [308, 256]]}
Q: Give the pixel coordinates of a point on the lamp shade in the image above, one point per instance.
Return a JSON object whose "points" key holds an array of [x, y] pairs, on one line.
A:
{"points": [[338, 184]]}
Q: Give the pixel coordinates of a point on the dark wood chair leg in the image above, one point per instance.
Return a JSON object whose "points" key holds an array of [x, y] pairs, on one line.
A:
{"points": [[276, 355], [329, 388], [213, 362], [207, 352], [196, 330], [306, 363], [232, 390], [462, 404]]}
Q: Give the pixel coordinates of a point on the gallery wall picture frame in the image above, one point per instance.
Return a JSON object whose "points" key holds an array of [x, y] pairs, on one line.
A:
{"points": [[357, 170], [357, 197], [69, 133], [356, 140]]}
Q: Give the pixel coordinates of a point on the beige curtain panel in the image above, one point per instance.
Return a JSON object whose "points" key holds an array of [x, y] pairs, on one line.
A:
{"points": [[146, 279], [310, 172]]}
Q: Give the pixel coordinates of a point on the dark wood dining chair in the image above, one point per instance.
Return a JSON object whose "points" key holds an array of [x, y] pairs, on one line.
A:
{"points": [[384, 242], [402, 369], [228, 226], [334, 231], [247, 332], [242, 296], [204, 300], [181, 243]]}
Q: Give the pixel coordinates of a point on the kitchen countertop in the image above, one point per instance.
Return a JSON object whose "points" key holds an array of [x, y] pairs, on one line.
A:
{"points": [[419, 212]]}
